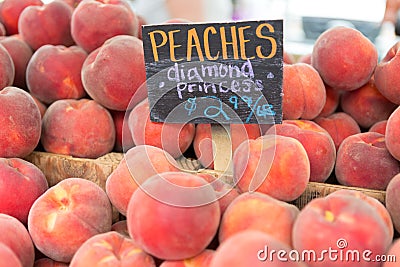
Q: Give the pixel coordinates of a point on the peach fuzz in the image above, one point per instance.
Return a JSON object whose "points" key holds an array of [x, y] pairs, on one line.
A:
{"points": [[10, 11], [252, 248], [20, 53], [46, 262], [80, 128], [182, 216], [139, 164], [113, 248], [393, 254], [202, 142], [22, 183], [15, 236], [8, 257], [20, 122], [392, 134], [94, 22], [258, 211], [201, 260], [172, 137], [364, 161], [66, 215], [7, 70], [304, 93], [46, 24], [392, 200], [344, 58], [334, 224], [386, 74], [54, 73], [272, 164], [379, 127], [116, 83], [316, 141], [376, 204], [339, 125], [332, 101], [366, 105]]}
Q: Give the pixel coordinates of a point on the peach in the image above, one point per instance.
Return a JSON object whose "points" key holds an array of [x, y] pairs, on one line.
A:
{"points": [[22, 183], [8, 257], [272, 164], [253, 248], [332, 101], [10, 11], [94, 22], [306, 58], [304, 93], [174, 138], [182, 216], [2, 28], [288, 58], [7, 70], [392, 134], [121, 227], [46, 262], [334, 222], [111, 248], [364, 161], [201, 260], [317, 142], [390, 259], [66, 215], [20, 123], [15, 236], [344, 57], [54, 73], [202, 142], [47, 24], [257, 211], [123, 138], [379, 127], [386, 78], [20, 53], [366, 105], [139, 164], [392, 200], [80, 128], [115, 83], [339, 125], [42, 107]]}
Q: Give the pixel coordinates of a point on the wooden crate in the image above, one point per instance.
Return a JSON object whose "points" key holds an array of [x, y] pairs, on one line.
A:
{"points": [[58, 167]]}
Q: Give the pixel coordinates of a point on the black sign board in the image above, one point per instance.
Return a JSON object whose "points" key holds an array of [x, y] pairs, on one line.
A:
{"points": [[224, 73]]}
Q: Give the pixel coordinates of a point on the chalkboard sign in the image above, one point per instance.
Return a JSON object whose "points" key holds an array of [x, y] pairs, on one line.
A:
{"points": [[225, 73]]}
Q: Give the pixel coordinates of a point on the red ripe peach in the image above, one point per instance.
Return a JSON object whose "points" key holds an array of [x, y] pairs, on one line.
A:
{"points": [[139, 164], [7, 68], [2, 28], [272, 164], [392, 255], [392, 200], [15, 236], [304, 93], [121, 227], [253, 248], [305, 58], [94, 22], [182, 216], [8, 257], [334, 222], [379, 127], [46, 262], [113, 74], [111, 248], [316, 141], [202, 142], [10, 11], [80, 128], [364, 161], [332, 101], [257, 211], [20, 53], [386, 74], [288, 58], [123, 138], [66, 215], [172, 137], [201, 260], [366, 105], [54, 73], [47, 24], [21, 184], [344, 58], [42, 107], [339, 125], [20, 123], [392, 134]]}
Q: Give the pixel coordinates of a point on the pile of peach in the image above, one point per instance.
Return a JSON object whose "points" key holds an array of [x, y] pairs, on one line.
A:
{"points": [[71, 76]]}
